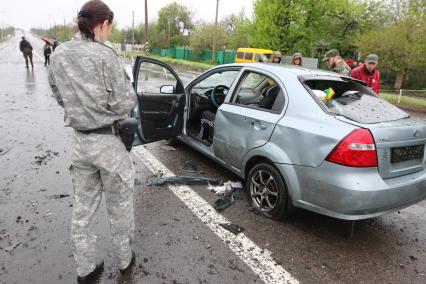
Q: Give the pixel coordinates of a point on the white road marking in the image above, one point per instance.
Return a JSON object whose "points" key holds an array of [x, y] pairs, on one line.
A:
{"points": [[259, 260]]}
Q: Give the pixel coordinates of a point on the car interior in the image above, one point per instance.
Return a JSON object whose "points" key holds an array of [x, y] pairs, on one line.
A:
{"points": [[254, 90]]}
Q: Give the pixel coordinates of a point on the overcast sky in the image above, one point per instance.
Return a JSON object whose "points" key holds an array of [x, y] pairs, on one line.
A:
{"points": [[42, 13]]}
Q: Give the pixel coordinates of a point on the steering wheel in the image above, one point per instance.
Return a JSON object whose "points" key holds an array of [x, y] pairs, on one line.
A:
{"points": [[219, 89]]}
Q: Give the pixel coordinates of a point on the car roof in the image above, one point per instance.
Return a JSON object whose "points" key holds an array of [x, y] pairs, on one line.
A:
{"points": [[285, 69]]}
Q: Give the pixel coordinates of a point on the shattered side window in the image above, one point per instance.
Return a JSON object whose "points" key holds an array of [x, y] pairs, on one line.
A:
{"points": [[353, 100]]}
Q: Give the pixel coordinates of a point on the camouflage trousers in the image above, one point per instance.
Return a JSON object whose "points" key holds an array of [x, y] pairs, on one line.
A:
{"points": [[100, 163]]}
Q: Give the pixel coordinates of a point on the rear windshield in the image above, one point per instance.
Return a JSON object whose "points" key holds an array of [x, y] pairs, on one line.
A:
{"points": [[352, 100]]}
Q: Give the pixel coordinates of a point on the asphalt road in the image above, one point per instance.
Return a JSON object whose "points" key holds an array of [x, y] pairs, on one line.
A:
{"points": [[177, 239]]}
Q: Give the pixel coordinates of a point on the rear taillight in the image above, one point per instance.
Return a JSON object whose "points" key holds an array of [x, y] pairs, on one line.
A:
{"points": [[355, 150]]}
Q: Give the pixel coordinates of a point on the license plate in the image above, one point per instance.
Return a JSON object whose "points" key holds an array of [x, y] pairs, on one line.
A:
{"points": [[408, 153]]}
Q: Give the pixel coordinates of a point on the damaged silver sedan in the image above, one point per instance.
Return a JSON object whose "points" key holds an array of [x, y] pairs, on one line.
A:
{"points": [[299, 137]]}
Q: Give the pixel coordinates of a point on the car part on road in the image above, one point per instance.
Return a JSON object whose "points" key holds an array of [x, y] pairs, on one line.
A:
{"points": [[4, 151], [268, 192], [225, 201], [12, 247], [58, 196], [227, 187], [190, 167], [183, 180], [235, 229]]}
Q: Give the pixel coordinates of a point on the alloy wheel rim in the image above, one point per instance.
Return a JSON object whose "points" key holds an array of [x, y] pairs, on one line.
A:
{"points": [[264, 191]]}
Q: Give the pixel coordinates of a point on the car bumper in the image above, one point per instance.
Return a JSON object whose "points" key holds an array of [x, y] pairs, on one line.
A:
{"points": [[351, 193]]}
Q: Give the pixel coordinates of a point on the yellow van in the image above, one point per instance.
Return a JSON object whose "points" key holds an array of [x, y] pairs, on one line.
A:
{"points": [[253, 55]]}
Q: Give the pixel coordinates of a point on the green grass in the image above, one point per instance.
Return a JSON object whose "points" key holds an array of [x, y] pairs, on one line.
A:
{"points": [[198, 66], [408, 101]]}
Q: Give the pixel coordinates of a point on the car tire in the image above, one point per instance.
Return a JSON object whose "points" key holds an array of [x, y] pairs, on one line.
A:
{"points": [[267, 191]]}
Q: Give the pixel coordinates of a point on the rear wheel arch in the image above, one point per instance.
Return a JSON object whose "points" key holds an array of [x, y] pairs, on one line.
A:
{"points": [[254, 161]]}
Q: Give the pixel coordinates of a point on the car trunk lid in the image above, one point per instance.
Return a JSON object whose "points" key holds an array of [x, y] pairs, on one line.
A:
{"points": [[400, 145]]}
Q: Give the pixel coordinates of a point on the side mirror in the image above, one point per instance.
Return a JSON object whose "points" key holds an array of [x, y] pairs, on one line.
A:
{"points": [[167, 89]]}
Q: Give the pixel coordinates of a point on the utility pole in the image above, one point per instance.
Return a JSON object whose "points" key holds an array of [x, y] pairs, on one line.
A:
{"points": [[133, 30], [146, 37], [215, 33]]}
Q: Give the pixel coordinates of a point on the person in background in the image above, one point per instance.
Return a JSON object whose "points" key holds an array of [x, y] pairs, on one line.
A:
{"points": [[369, 73], [336, 63], [55, 43], [297, 59], [88, 80], [47, 50], [27, 50], [276, 57]]}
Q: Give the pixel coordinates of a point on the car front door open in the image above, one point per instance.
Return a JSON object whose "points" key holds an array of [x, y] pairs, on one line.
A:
{"points": [[161, 100]]}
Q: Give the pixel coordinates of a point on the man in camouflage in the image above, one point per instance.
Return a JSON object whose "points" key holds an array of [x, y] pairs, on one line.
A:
{"points": [[336, 63], [88, 80]]}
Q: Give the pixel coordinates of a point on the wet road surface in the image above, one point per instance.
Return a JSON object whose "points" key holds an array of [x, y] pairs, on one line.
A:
{"points": [[173, 244]]}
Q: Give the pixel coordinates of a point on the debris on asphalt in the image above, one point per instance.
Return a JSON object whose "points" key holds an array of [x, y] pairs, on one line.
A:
{"points": [[235, 229], [12, 247], [225, 201], [58, 196], [412, 257], [4, 151], [167, 148], [227, 194], [190, 167], [227, 187], [47, 156], [183, 180]]}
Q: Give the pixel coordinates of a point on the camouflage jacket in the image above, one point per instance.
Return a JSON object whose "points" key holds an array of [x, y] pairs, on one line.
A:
{"points": [[88, 80], [343, 68]]}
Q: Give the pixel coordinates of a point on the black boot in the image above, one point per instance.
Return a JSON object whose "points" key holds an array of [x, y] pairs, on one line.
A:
{"points": [[92, 275], [132, 262]]}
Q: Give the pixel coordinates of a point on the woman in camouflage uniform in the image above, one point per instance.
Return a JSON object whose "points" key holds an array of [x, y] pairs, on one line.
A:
{"points": [[88, 80]]}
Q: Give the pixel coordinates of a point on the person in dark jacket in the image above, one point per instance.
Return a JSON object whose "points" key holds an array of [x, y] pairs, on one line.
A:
{"points": [[369, 73], [47, 50], [55, 43], [27, 50]]}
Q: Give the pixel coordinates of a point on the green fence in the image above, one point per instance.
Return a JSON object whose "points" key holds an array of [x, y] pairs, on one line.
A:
{"points": [[185, 53]]}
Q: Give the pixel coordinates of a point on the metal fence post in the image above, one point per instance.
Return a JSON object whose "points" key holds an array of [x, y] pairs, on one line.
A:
{"points": [[400, 95]]}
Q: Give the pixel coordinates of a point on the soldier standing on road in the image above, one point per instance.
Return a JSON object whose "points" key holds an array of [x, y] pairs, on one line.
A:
{"points": [[336, 63], [88, 80], [27, 50]]}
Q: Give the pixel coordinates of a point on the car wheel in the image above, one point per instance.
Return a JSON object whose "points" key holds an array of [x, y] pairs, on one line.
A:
{"points": [[267, 191]]}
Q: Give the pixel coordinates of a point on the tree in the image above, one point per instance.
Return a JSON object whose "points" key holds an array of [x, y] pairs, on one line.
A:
{"points": [[239, 30], [202, 37], [169, 18], [304, 25], [117, 35], [401, 46]]}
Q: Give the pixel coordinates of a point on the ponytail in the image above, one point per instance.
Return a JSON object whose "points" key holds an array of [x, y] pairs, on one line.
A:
{"points": [[92, 13]]}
